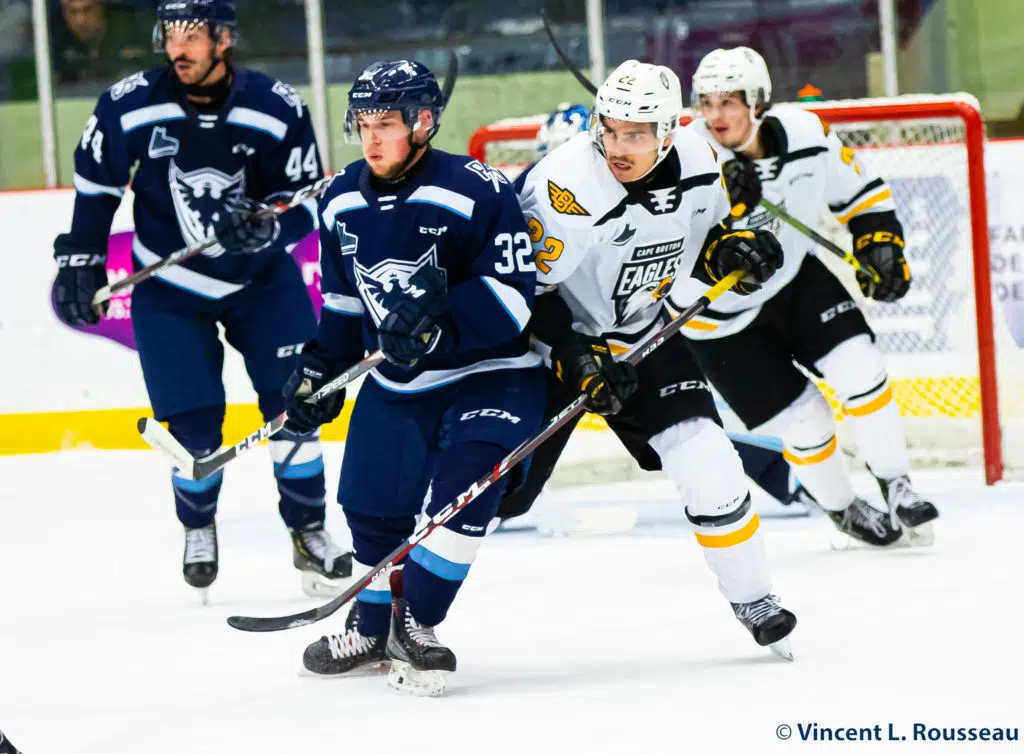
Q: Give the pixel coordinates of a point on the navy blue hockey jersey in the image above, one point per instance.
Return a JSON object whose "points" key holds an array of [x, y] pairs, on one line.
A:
{"points": [[188, 165], [454, 213]]}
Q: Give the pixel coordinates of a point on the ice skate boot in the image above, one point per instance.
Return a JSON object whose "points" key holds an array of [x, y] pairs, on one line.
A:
{"points": [[768, 622], [419, 662], [861, 521], [343, 653], [910, 509], [321, 562], [199, 563]]}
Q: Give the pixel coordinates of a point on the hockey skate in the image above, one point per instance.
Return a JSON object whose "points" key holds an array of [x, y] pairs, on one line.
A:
{"points": [[769, 623], [199, 563], [344, 653], [321, 562], [860, 520], [419, 662], [910, 509]]}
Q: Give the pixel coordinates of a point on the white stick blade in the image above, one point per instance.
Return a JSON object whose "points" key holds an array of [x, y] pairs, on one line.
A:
{"points": [[153, 432]]}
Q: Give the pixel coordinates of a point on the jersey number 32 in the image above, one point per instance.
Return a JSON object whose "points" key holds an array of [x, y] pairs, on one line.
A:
{"points": [[516, 253]]}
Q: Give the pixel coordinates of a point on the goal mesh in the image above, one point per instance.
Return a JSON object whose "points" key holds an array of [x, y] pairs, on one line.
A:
{"points": [[930, 151]]}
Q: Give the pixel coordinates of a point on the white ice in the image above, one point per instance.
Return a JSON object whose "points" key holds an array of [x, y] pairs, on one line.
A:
{"points": [[600, 644]]}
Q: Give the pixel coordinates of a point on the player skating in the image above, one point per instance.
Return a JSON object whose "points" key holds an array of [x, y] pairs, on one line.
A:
{"points": [[804, 315], [425, 255], [616, 217], [211, 142]]}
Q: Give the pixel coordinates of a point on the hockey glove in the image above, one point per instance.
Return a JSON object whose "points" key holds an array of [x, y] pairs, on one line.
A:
{"points": [[240, 231], [878, 246], [417, 324], [81, 271], [743, 184], [756, 251], [313, 372], [586, 363]]}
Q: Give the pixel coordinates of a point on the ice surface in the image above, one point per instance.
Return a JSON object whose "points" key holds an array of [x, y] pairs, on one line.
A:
{"points": [[598, 644]]}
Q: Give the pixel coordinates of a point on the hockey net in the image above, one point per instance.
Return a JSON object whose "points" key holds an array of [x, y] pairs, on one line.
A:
{"points": [[946, 347]]}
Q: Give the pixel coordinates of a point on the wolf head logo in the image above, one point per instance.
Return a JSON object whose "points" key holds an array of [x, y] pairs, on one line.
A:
{"points": [[200, 197]]}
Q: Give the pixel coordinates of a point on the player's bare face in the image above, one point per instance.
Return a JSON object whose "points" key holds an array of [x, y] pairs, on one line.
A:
{"points": [[385, 141], [191, 52], [630, 149], [727, 117]]}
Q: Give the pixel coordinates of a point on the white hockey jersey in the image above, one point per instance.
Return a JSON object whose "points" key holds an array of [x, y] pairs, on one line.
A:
{"points": [[613, 256], [814, 169]]}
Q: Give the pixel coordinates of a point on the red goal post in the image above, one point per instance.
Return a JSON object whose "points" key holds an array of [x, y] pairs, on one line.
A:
{"points": [[931, 147]]}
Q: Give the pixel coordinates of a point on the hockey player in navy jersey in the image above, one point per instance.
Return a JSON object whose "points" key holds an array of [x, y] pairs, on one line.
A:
{"points": [[425, 255], [210, 143]]}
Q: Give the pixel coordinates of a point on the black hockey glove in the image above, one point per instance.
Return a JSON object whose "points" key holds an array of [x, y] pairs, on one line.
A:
{"points": [[239, 231], [743, 184], [81, 271], [416, 324], [313, 372], [878, 246], [586, 362], [756, 251]]}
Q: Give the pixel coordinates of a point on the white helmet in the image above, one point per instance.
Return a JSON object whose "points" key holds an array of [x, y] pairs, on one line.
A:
{"points": [[640, 93], [740, 69]]}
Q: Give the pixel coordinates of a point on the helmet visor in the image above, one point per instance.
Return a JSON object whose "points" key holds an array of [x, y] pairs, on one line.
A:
{"points": [[368, 126], [624, 136]]}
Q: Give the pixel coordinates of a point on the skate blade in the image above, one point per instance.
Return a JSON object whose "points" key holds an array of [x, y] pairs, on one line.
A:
{"points": [[204, 595], [405, 679], [782, 649], [363, 671], [921, 536], [315, 585]]}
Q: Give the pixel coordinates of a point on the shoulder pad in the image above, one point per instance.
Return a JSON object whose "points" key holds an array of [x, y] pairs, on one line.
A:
{"points": [[274, 97], [574, 184], [696, 152], [803, 128], [472, 177]]}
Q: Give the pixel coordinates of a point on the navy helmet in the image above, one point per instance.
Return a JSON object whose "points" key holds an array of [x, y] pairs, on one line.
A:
{"points": [[403, 85], [218, 15]]}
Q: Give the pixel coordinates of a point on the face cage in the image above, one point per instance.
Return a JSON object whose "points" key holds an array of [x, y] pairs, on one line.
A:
{"points": [[160, 31], [410, 117]]}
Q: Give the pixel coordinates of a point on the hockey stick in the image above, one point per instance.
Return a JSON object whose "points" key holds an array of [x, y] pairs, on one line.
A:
{"points": [[449, 77], [812, 234], [105, 293], [190, 467], [635, 356], [569, 65], [6, 747]]}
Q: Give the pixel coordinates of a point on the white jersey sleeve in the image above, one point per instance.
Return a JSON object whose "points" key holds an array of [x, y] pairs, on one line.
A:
{"points": [[850, 188]]}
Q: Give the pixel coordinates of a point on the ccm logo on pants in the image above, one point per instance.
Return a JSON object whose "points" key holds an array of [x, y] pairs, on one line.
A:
{"points": [[489, 413], [285, 351], [679, 387], [834, 311]]}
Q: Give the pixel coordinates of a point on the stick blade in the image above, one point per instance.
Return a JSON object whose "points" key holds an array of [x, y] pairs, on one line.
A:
{"points": [[264, 625], [160, 439]]}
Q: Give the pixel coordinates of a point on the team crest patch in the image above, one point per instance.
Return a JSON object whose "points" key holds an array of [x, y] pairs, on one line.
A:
{"points": [[200, 196], [381, 285], [564, 201], [646, 278]]}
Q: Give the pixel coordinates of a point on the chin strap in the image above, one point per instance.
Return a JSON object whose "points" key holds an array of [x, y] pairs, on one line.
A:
{"points": [[756, 123]]}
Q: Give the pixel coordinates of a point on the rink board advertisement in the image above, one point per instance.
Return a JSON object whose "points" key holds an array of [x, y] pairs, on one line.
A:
{"points": [[64, 388]]}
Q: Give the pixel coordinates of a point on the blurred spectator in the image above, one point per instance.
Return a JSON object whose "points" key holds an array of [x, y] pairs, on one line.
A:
{"points": [[15, 29], [99, 42]]}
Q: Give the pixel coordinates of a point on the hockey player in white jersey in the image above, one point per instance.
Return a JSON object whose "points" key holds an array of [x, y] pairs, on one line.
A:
{"points": [[804, 315], [616, 216]]}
